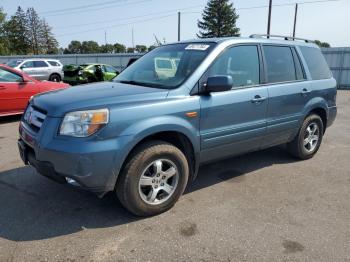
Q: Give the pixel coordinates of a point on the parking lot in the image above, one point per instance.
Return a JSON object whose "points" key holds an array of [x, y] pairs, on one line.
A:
{"points": [[264, 206]]}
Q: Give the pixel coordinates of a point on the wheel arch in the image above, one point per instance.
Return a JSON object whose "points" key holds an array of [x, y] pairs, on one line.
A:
{"points": [[175, 137], [319, 107]]}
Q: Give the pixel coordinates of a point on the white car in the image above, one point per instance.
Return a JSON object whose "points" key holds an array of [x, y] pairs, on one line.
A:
{"points": [[41, 69]]}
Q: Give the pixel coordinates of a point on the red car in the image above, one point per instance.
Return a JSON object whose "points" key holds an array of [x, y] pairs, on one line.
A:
{"points": [[16, 88]]}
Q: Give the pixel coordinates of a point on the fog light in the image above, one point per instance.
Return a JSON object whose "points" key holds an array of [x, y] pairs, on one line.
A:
{"points": [[71, 181]]}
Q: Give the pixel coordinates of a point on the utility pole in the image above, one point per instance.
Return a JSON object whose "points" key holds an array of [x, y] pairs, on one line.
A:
{"points": [[105, 37], [132, 38], [295, 19], [269, 19], [178, 26]]}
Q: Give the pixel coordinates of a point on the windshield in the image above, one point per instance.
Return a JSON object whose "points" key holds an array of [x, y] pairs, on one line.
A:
{"points": [[13, 63], [166, 66]]}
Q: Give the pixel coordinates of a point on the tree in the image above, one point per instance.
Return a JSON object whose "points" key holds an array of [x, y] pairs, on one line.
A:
{"points": [[130, 50], [218, 20], [141, 48], [151, 47], [107, 48], [74, 47], [4, 44], [49, 42], [119, 48], [89, 47], [15, 31], [34, 27], [322, 44]]}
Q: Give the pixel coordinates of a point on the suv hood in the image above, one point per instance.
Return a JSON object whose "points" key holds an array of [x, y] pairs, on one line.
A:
{"points": [[98, 95]]}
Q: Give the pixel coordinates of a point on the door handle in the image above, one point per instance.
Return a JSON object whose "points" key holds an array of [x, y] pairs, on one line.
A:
{"points": [[305, 92], [258, 99], [2, 88]]}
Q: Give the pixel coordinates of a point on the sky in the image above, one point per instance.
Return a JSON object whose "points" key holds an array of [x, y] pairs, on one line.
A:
{"points": [[113, 21]]}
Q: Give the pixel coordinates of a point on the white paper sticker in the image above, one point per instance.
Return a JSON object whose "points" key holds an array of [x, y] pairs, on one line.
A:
{"points": [[200, 47]]}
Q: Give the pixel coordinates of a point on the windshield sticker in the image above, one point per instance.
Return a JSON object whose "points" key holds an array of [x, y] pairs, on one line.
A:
{"points": [[200, 47]]}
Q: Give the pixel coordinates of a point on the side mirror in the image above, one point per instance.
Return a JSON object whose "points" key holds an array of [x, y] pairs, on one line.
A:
{"points": [[25, 80], [218, 84]]}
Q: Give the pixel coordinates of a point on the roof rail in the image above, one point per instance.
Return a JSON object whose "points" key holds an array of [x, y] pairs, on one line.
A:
{"points": [[287, 38]]}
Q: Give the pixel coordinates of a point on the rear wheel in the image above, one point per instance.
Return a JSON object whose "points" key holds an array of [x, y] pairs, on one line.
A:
{"points": [[55, 78], [306, 144], [153, 179]]}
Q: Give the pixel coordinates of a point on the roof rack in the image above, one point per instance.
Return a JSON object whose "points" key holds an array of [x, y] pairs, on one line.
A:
{"points": [[287, 38]]}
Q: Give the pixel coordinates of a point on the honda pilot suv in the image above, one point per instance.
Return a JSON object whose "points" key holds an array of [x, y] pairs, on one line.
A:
{"points": [[144, 136]]}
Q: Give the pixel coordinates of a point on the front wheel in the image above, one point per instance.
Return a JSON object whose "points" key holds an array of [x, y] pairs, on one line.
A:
{"points": [[153, 179], [306, 144]]}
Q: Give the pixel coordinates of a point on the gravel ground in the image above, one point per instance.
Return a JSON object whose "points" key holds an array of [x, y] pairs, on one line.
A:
{"points": [[264, 206]]}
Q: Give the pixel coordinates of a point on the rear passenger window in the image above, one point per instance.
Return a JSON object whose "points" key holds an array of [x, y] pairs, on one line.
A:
{"points": [[53, 63], [280, 64], [240, 62], [40, 64], [316, 63]]}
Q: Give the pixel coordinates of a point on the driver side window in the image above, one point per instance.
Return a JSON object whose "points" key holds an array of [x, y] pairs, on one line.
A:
{"points": [[7, 76], [241, 63]]}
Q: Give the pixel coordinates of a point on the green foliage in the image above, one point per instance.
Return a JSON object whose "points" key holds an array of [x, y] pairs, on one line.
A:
{"points": [[119, 48], [151, 47], [141, 48], [218, 20], [73, 48], [107, 48], [322, 44], [130, 50], [4, 45], [26, 33], [89, 47]]}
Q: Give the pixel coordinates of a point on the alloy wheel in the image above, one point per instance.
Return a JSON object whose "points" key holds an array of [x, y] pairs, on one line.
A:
{"points": [[158, 181]]}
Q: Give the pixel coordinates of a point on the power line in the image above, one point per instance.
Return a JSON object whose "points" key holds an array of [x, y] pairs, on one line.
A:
{"points": [[169, 15], [274, 5], [97, 9], [117, 25], [129, 18], [80, 7]]}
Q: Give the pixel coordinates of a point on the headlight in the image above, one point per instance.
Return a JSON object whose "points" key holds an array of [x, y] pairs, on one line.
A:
{"points": [[84, 123]]}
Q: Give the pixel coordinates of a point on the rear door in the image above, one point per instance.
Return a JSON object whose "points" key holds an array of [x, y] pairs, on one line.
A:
{"points": [[234, 122], [288, 93], [14, 93]]}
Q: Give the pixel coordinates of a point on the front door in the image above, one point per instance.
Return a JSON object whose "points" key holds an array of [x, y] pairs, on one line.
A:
{"points": [[14, 93], [234, 122]]}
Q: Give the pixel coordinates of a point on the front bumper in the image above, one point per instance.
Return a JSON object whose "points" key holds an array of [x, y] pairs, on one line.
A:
{"points": [[332, 113], [93, 164]]}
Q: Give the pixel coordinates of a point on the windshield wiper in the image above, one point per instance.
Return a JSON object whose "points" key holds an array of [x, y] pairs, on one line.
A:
{"points": [[136, 83]]}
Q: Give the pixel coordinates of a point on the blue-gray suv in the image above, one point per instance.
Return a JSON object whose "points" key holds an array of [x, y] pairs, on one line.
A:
{"points": [[145, 133]]}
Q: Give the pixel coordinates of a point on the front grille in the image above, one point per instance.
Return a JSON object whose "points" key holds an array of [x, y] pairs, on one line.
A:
{"points": [[34, 117]]}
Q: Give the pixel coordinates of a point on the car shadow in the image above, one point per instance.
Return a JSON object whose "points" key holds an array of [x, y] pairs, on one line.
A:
{"points": [[35, 208], [10, 119]]}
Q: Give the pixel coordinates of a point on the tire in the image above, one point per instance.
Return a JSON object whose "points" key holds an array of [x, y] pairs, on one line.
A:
{"points": [[55, 78], [304, 145], [137, 195]]}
